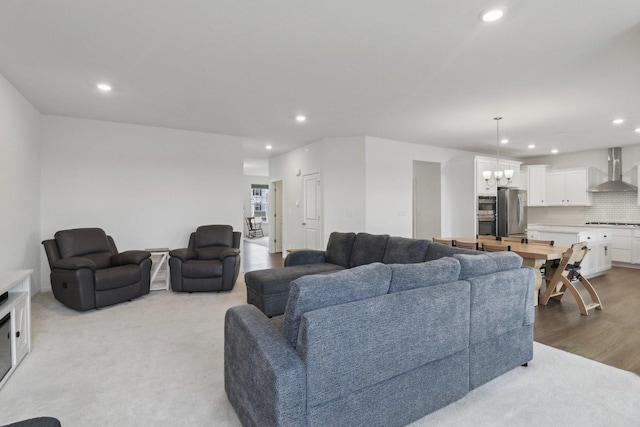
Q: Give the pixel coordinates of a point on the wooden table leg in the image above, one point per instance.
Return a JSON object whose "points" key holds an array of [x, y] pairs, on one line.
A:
{"points": [[535, 264]]}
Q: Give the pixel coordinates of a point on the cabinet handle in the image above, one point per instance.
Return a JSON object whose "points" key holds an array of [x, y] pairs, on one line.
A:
{"points": [[18, 334]]}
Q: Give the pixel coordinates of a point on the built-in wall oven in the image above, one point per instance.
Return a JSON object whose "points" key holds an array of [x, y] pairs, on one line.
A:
{"points": [[486, 215], [5, 345]]}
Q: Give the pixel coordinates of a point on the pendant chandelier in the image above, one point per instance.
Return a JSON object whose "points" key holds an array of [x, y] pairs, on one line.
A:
{"points": [[498, 177]]}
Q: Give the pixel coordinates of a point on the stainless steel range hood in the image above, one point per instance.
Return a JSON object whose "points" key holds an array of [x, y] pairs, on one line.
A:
{"points": [[615, 182]]}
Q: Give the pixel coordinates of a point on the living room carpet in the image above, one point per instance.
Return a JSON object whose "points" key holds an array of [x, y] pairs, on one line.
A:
{"points": [[158, 360]]}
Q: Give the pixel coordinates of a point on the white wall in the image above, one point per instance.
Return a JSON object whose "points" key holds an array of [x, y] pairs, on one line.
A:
{"points": [[145, 186], [20, 130], [340, 162], [389, 184]]}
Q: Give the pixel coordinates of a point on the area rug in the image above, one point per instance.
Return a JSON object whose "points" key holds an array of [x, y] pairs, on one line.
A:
{"points": [[158, 360]]}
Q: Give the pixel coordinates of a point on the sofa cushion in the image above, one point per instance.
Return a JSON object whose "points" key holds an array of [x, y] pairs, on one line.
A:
{"points": [[277, 280], [339, 248], [402, 250], [411, 276], [368, 248], [317, 291], [117, 277], [201, 269], [487, 263], [438, 250], [211, 252], [101, 259], [81, 241], [214, 235]]}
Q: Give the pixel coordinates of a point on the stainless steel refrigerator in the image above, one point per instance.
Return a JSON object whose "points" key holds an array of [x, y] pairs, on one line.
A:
{"points": [[512, 212]]}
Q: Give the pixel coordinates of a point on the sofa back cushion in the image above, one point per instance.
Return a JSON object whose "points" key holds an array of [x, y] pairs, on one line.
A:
{"points": [[402, 250], [322, 290], [214, 235], [431, 273], [368, 248], [339, 248], [487, 263], [438, 250], [82, 241]]}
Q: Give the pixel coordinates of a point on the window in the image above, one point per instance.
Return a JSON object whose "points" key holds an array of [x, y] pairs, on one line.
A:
{"points": [[260, 201]]}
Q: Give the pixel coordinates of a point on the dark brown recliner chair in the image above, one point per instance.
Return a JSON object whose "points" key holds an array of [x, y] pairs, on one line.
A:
{"points": [[88, 272], [210, 263]]}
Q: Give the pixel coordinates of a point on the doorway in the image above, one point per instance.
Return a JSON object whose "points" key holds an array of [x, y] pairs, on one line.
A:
{"points": [[312, 209], [427, 221]]}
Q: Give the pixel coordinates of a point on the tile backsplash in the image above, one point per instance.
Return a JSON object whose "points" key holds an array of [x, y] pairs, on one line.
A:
{"points": [[613, 207]]}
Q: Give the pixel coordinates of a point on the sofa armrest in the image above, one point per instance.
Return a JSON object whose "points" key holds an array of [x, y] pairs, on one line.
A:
{"points": [[73, 263], [229, 252], [184, 254], [264, 377], [129, 257], [304, 256]]}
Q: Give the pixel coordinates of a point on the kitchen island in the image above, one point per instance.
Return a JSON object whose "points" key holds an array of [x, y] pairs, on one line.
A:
{"points": [[599, 240]]}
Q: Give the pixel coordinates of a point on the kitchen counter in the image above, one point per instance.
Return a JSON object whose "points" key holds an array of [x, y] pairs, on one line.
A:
{"points": [[567, 228]]}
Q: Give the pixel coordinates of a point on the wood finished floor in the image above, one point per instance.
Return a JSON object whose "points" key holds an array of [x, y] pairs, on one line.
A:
{"points": [[610, 336]]}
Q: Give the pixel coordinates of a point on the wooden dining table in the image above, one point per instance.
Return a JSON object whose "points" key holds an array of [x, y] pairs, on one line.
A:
{"points": [[533, 255]]}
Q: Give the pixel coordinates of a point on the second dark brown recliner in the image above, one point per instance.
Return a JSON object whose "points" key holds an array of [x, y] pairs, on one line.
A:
{"points": [[210, 263]]}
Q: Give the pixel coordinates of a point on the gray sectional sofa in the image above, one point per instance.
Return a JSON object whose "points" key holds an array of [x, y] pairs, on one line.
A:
{"points": [[378, 344], [269, 289]]}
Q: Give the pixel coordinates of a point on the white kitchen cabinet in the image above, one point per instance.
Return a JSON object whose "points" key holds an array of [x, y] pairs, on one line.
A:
{"points": [[482, 187], [505, 164], [568, 187], [532, 234], [635, 247], [621, 246], [536, 185]]}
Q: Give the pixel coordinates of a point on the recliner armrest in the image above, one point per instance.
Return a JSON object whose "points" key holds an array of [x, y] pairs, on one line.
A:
{"points": [[229, 252], [304, 256], [184, 254], [129, 257], [73, 263]]}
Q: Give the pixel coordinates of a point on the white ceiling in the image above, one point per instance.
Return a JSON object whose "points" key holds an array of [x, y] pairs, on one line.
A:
{"points": [[428, 71]]}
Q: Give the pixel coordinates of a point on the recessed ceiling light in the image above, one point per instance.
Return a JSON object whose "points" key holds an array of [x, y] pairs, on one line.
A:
{"points": [[300, 118], [638, 130], [617, 121], [492, 15], [268, 147], [530, 146], [104, 87], [504, 141], [554, 151]]}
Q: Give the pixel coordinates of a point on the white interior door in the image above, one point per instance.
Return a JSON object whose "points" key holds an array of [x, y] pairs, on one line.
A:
{"points": [[312, 208]]}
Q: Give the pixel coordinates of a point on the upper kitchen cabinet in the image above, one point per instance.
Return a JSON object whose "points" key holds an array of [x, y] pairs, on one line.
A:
{"points": [[536, 177], [568, 187], [484, 188]]}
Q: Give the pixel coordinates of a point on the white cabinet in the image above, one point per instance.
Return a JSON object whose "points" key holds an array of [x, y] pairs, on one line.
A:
{"points": [[621, 246], [18, 307], [635, 247], [568, 187], [536, 185], [484, 188], [504, 164]]}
